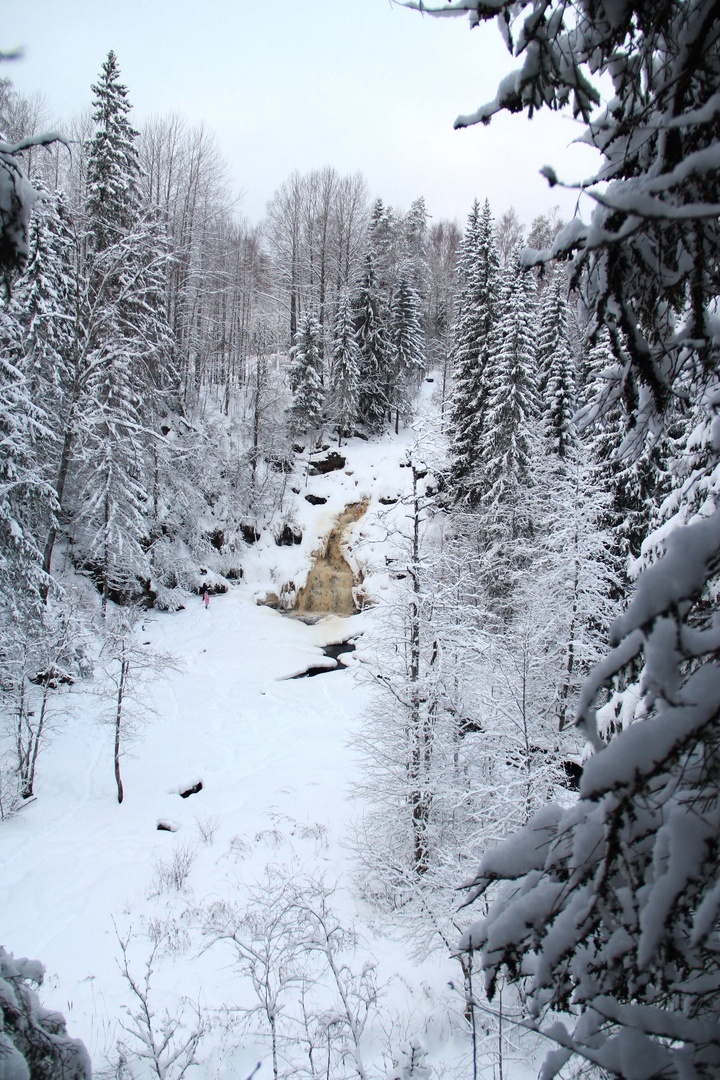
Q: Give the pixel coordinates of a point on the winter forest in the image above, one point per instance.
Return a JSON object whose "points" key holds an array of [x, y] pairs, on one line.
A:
{"points": [[359, 697]]}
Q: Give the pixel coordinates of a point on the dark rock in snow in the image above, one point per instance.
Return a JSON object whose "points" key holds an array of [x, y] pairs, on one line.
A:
{"points": [[316, 500], [52, 677], [166, 826], [278, 463], [297, 448], [386, 500], [469, 726], [249, 534], [187, 792], [235, 573], [268, 599], [573, 771], [217, 539], [217, 588], [289, 535], [331, 463]]}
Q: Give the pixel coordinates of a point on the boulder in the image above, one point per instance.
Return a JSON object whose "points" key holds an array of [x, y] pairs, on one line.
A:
{"points": [[330, 463]]}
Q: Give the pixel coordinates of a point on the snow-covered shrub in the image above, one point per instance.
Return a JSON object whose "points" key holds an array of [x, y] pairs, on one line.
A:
{"points": [[207, 827], [34, 1042], [17, 199], [315, 990], [10, 797], [164, 1042], [172, 873], [411, 1063]]}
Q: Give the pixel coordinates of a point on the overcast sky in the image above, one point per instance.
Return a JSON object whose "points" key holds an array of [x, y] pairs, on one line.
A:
{"points": [[299, 84]]}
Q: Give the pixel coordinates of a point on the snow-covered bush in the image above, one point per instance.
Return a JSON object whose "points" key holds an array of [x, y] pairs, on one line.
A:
{"points": [[172, 873], [17, 199], [34, 1042], [165, 1042]]}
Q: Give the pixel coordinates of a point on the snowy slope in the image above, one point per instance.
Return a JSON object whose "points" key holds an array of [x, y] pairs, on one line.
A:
{"points": [[275, 760]]}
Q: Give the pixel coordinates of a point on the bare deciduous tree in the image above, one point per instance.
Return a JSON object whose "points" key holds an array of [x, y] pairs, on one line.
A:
{"points": [[127, 663]]}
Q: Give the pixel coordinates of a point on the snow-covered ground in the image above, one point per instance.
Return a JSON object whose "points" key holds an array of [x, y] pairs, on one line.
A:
{"points": [[275, 759]]}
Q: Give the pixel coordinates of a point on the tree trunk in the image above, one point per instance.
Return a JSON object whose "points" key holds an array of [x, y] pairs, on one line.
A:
{"points": [[60, 491], [36, 744], [419, 734], [124, 665]]}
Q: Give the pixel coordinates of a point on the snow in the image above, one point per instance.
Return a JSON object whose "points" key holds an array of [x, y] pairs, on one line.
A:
{"points": [[275, 759]]}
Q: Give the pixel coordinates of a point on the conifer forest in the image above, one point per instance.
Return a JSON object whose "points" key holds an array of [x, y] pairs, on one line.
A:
{"points": [[359, 569]]}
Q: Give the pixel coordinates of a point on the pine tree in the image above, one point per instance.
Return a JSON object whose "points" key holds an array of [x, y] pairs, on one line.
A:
{"points": [[306, 377], [477, 303], [345, 369]]}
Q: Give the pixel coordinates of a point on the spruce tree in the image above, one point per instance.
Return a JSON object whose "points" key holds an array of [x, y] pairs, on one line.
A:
{"points": [[503, 474], [383, 243], [45, 305], [556, 366], [553, 331], [113, 170], [306, 377], [476, 315], [512, 397], [23, 488], [125, 345], [345, 369], [629, 460], [408, 346], [375, 348], [415, 243]]}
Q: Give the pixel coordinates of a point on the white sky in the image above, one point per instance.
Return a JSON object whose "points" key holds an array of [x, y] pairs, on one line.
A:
{"points": [[299, 84]]}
